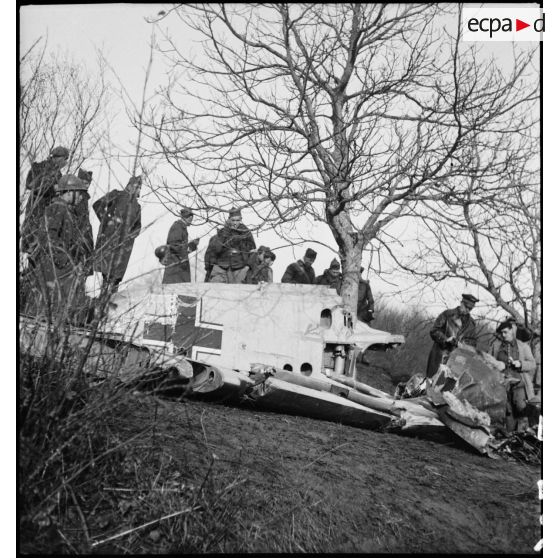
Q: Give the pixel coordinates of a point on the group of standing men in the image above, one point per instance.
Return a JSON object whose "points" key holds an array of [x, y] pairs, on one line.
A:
{"points": [[57, 238], [515, 360], [59, 252], [231, 257]]}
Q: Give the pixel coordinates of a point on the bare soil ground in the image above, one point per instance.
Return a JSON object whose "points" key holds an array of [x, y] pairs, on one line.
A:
{"points": [[295, 484], [190, 476]]}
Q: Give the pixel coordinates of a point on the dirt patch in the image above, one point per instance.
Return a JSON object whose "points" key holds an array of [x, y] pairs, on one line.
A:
{"points": [[302, 485]]}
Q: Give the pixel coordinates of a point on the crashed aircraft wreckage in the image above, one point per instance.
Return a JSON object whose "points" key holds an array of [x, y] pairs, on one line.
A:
{"points": [[281, 347]]}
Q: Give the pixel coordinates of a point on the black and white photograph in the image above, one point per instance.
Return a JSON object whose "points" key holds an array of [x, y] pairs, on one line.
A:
{"points": [[279, 278]]}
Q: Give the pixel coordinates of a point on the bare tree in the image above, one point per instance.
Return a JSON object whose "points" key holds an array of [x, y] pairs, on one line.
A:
{"points": [[349, 114], [489, 237], [60, 104]]}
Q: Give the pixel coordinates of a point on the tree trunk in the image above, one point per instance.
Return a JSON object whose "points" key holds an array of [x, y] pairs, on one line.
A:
{"points": [[350, 266]]}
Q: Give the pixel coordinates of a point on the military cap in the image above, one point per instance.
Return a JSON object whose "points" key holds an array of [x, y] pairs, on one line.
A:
{"points": [[59, 152], [505, 325], [469, 298], [270, 254], [263, 248], [334, 264], [86, 176], [186, 212], [135, 181], [234, 211], [69, 183], [310, 254]]}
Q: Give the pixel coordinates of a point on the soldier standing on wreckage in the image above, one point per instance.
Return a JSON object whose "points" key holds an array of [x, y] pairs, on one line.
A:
{"points": [[231, 250], [120, 215], [450, 328], [177, 268], [301, 271], [518, 366], [365, 304], [260, 267], [66, 252], [331, 276]]}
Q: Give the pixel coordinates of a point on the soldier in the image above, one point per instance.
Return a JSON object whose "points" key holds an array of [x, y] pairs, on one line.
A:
{"points": [[83, 208], [231, 250], [331, 276], [120, 215], [260, 267], [301, 271], [518, 365], [365, 304], [177, 268], [209, 258], [66, 250], [41, 182], [451, 327]]}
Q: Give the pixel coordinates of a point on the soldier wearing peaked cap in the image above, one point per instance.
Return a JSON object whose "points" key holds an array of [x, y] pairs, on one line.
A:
{"points": [[119, 212], [301, 271], [230, 250], [331, 276], [450, 328], [177, 268]]}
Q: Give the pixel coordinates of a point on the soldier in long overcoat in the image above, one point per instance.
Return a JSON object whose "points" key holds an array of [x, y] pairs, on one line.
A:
{"points": [[450, 328], [41, 183], [231, 250], [177, 268], [301, 271], [120, 215], [66, 253]]}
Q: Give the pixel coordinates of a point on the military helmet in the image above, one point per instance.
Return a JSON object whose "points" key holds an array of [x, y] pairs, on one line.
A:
{"points": [[69, 183], [161, 251]]}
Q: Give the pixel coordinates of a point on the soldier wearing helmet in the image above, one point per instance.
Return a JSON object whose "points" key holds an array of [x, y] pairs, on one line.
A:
{"points": [[66, 251]]}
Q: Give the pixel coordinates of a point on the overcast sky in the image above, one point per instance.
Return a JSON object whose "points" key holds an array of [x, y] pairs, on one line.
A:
{"points": [[122, 33]]}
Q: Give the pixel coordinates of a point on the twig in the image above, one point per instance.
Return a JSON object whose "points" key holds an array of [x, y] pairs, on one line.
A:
{"points": [[81, 516], [149, 523], [324, 454]]}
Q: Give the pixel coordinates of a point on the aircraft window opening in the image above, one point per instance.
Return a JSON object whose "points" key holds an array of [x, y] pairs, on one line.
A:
{"points": [[288, 367], [325, 318], [306, 368]]}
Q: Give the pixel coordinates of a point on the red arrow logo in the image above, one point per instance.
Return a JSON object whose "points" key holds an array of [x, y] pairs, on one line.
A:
{"points": [[519, 25]]}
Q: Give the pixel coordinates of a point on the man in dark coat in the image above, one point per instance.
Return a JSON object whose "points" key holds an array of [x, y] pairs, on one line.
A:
{"points": [[210, 257], [66, 253], [365, 304], [232, 249], [177, 268], [450, 328], [120, 215], [41, 182], [331, 276], [260, 267], [301, 271]]}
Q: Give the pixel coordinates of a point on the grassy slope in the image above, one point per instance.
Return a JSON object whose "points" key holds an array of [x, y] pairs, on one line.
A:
{"points": [[266, 482]]}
